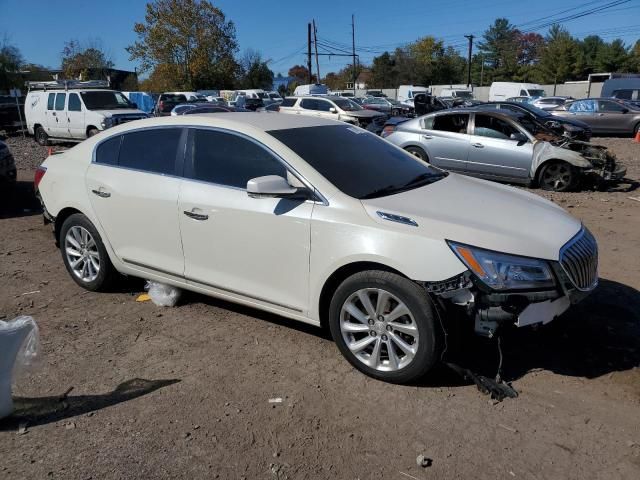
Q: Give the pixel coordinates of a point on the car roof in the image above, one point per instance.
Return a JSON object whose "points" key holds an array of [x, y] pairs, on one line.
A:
{"points": [[239, 121], [495, 113]]}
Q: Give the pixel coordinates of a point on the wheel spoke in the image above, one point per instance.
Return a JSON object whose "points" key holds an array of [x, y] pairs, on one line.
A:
{"points": [[400, 310], [76, 235], [75, 263], [356, 347], [73, 252], [91, 244], [354, 327], [409, 329], [393, 356], [95, 263], [374, 359], [366, 303], [355, 312], [404, 346], [383, 301], [73, 242]]}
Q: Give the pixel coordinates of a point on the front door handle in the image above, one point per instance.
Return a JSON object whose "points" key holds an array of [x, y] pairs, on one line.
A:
{"points": [[196, 216], [101, 193], [477, 145], [427, 137]]}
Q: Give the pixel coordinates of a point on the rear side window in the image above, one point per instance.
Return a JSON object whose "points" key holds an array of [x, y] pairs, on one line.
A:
{"points": [[74, 103], [107, 151], [612, 107], [323, 106], [456, 123], [309, 104], [60, 98], [231, 160], [289, 102], [51, 101], [153, 150]]}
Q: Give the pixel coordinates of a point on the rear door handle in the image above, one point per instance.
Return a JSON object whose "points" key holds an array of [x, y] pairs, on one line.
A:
{"points": [[477, 145], [427, 137], [196, 216], [101, 193]]}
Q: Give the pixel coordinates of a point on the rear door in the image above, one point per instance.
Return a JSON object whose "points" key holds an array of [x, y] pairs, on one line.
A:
{"points": [[610, 118], [133, 187], [494, 153], [75, 116], [585, 111], [50, 114], [58, 120], [446, 140]]}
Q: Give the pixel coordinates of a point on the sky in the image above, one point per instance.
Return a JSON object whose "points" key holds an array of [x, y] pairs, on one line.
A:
{"points": [[278, 29]]}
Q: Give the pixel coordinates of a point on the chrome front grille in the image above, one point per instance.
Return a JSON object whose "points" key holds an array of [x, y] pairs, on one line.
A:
{"points": [[579, 260]]}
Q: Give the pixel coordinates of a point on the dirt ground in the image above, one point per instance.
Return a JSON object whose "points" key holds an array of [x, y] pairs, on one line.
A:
{"points": [[183, 393]]}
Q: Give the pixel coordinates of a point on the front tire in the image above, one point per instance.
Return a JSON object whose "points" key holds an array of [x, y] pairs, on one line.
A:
{"points": [[41, 136], [92, 131], [84, 255], [384, 324], [418, 152], [558, 176]]}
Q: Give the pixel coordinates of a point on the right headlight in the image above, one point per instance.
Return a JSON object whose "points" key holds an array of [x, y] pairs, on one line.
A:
{"points": [[501, 271]]}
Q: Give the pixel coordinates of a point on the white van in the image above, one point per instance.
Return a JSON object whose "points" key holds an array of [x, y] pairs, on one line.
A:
{"points": [[311, 89], [69, 110], [454, 92], [407, 92], [500, 91]]}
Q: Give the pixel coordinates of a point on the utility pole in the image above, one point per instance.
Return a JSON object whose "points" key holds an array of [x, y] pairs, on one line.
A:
{"points": [[315, 44], [481, 70], [470, 37], [353, 43], [309, 51]]}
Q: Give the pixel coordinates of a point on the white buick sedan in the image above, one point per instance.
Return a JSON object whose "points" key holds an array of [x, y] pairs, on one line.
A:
{"points": [[318, 221]]}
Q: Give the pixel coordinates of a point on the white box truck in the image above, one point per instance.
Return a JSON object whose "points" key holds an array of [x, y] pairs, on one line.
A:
{"points": [[407, 92], [501, 91], [311, 89]]}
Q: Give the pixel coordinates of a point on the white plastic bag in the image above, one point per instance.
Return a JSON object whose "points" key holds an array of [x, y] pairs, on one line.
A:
{"points": [[19, 349], [163, 295]]}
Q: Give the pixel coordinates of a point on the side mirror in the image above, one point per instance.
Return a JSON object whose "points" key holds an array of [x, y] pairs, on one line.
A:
{"points": [[519, 137], [270, 186], [333, 110], [134, 105], [625, 110]]}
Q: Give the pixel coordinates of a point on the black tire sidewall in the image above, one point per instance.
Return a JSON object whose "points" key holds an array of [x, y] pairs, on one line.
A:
{"points": [[422, 155], [572, 183], [41, 137], [418, 303], [106, 274], [92, 132]]}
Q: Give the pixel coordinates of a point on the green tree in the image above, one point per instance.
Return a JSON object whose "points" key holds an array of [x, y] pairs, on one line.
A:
{"points": [[255, 72], [191, 38], [10, 62], [499, 48], [589, 51], [301, 74], [613, 57], [559, 61], [333, 81], [382, 75], [85, 61]]}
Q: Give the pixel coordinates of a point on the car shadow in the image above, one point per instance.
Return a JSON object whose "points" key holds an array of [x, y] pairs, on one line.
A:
{"points": [[43, 410], [596, 337], [18, 200]]}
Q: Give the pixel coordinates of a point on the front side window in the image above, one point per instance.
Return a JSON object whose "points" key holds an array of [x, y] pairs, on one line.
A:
{"points": [[107, 152], [609, 107], [523, 93], [456, 123], [583, 106], [60, 98], [74, 103], [489, 126], [230, 160], [51, 101], [105, 100], [359, 163], [153, 150], [309, 104], [289, 102], [323, 106]]}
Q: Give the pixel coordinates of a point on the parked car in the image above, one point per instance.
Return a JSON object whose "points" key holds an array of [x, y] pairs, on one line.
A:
{"points": [[71, 110], [375, 93], [569, 127], [343, 93], [504, 90], [210, 95], [318, 222], [518, 99], [406, 93], [275, 96], [425, 103], [182, 107], [11, 113], [200, 109], [333, 108], [549, 103], [497, 146], [7, 165], [166, 103], [387, 106], [311, 89], [603, 115], [454, 92], [191, 96]]}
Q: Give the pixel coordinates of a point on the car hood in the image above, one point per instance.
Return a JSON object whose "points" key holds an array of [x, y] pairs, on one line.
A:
{"points": [[363, 114], [484, 214]]}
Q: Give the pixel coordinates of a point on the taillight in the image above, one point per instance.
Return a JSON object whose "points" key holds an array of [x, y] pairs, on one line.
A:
{"points": [[388, 130], [40, 171], [161, 105]]}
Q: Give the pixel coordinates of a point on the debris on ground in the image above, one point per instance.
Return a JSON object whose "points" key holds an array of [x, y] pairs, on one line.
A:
{"points": [[163, 295], [423, 461], [275, 400], [144, 297], [497, 389]]}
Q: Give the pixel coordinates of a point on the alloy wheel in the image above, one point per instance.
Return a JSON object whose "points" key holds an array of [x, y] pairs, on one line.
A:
{"points": [[557, 177], [379, 329], [82, 253]]}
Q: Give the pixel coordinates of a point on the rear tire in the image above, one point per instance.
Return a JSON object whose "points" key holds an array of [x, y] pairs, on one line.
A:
{"points": [[418, 152], [395, 338], [84, 255], [92, 131], [41, 136], [558, 176]]}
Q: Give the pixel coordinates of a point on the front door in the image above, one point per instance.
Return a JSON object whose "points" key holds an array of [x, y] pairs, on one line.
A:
{"points": [[611, 119], [58, 121], [133, 187], [256, 248], [494, 153], [75, 117]]}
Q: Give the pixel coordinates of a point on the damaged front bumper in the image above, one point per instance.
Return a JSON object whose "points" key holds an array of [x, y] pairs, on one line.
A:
{"points": [[491, 310]]}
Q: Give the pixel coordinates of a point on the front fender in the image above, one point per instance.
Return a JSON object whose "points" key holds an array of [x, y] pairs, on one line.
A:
{"points": [[545, 151]]}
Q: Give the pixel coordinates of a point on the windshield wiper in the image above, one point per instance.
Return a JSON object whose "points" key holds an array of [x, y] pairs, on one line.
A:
{"points": [[420, 180], [426, 178], [381, 192]]}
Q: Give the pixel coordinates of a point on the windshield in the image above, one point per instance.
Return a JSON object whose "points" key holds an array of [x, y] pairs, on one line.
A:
{"points": [[105, 100], [377, 101], [347, 105], [262, 95], [464, 94], [538, 112], [359, 163], [535, 92]]}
